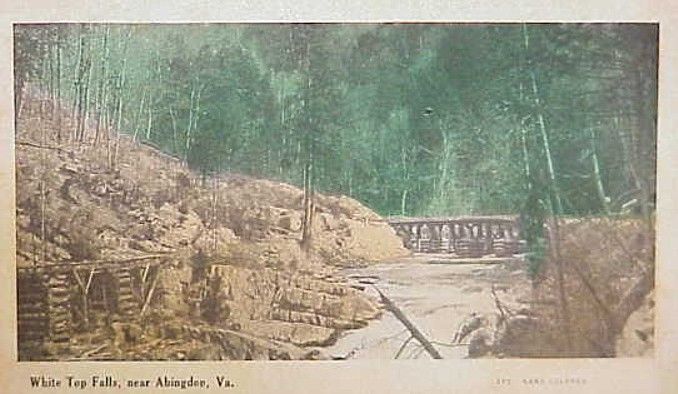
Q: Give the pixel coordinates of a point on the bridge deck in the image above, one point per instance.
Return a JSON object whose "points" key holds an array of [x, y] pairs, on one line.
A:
{"points": [[447, 219]]}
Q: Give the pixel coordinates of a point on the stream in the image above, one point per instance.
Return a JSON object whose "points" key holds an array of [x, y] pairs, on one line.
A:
{"points": [[436, 297]]}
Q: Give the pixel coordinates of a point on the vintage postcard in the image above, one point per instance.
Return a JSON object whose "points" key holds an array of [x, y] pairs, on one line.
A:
{"points": [[399, 205]]}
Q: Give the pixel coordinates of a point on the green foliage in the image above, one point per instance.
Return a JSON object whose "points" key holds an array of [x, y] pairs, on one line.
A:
{"points": [[409, 119], [535, 255], [532, 219]]}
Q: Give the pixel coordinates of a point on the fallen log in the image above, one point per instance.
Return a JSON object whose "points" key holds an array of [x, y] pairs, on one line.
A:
{"points": [[39, 146], [94, 351], [89, 355], [391, 307]]}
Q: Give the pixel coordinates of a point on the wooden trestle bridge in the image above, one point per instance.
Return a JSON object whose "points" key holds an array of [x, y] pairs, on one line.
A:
{"points": [[51, 297], [464, 237]]}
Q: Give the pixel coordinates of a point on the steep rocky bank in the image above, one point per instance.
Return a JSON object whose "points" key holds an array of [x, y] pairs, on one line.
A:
{"points": [[606, 308], [233, 240]]}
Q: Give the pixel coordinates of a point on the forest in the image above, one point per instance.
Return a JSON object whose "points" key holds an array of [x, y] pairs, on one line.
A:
{"points": [[410, 119], [245, 169]]}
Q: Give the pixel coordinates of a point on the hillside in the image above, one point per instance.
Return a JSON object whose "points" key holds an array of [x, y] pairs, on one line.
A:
{"points": [[110, 198]]}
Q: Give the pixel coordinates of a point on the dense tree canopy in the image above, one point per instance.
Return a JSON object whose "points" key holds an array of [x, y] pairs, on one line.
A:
{"points": [[412, 119]]}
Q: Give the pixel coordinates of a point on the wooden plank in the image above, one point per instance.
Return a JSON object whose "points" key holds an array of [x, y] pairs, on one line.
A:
{"points": [[90, 352], [97, 263], [89, 280], [391, 306], [33, 315], [145, 274], [150, 294]]}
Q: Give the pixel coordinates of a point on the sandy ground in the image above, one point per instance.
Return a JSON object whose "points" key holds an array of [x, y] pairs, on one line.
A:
{"points": [[435, 295]]}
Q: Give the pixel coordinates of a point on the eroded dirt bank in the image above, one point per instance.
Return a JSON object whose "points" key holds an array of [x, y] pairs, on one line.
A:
{"points": [[233, 258]]}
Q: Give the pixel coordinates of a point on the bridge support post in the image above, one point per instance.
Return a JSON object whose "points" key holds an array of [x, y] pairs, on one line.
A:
{"points": [[465, 236]]}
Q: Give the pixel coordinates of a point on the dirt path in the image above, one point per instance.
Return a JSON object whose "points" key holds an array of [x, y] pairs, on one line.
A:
{"points": [[436, 297]]}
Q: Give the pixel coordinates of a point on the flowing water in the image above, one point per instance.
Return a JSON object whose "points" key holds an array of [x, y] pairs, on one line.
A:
{"points": [[437, 298]]}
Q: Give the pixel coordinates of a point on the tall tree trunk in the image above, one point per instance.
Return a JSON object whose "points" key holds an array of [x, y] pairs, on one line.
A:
{"points": [[43, 175], [120, 105], [554, 243], [122, 80], [553, 225], [50, 66], [58, 89], [443, 168], [187, 145], [555, 191], [403, 202], [174, 129], [100, 101], [138, 119], [645, 125], [526, 157], [154, 79], [193, 115], [196, 115], [283, 131], [523, 136], [77, 84], [604, 200], [85, 112], [406, 179], [19, 87], [150, 120], [307, 225]]}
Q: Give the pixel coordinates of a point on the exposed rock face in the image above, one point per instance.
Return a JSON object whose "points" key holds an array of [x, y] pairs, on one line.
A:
{"points": [[289, 307], [605, 263], [97, 205]]}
